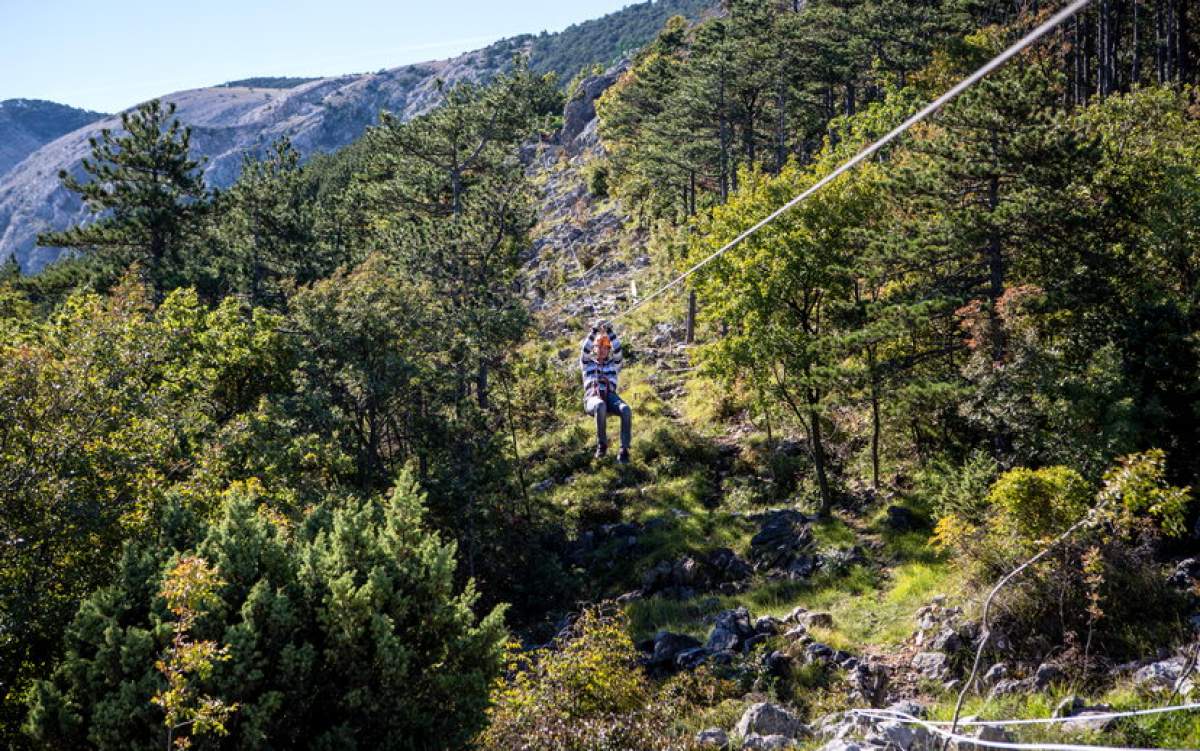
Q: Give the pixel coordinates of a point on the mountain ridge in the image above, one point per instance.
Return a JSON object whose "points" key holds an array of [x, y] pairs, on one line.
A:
{"points": [[318, 116]]}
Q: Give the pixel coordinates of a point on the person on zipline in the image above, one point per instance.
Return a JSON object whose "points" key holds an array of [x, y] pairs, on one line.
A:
{"points": [[600, 362]]}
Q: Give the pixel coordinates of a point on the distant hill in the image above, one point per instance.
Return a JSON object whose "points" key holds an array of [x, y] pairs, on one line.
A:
{"points": [[26, 124], [318, 115], [267, 82]]}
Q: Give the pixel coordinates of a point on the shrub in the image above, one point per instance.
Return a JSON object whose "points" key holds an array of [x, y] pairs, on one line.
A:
{"points": [[1095, 590], [1033, 504], [596, 174], [588, 692], [343, 632]]}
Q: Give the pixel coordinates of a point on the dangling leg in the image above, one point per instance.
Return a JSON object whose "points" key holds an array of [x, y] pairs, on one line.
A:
{"points": [[600, 410], [626, 414]]}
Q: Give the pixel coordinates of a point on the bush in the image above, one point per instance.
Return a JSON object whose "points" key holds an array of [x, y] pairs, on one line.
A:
{"points": [[343, 631], [588, 692], [1034, 504], [1096, 589], [596, 174]]}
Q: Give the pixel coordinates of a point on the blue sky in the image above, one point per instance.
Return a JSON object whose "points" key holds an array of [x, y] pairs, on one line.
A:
{"points": [[110, 55]]}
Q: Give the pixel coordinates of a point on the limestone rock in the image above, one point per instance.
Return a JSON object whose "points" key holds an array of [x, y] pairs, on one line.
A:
{"points": [[766, 719]]}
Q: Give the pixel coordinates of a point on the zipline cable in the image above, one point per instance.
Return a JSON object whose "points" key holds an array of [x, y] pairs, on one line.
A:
{"points": [[966, 741], [1089, 717], [892, 135]]}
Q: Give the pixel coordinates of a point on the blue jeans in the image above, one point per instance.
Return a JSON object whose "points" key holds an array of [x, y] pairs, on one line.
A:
{"points": [[600, 408]]}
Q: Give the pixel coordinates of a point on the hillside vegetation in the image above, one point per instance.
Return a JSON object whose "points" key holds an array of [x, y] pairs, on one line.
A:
{"points": [[302, 463]]}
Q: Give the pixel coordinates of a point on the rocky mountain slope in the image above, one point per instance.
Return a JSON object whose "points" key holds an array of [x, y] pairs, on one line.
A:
{"points": [[27, 124], [319, 115]]}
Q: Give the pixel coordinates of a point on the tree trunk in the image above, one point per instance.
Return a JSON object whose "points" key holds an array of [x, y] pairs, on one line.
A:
{"points": [[818, 454], [481, 386], [876, 427], [690, 335]]}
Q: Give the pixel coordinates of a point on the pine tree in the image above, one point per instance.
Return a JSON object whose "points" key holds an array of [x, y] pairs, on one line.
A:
{"points": [[144, 192], [343, 629]]}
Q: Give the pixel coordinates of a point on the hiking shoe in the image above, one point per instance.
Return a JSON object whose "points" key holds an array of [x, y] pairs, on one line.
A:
{"points": [[601, 450], [623, 457]]}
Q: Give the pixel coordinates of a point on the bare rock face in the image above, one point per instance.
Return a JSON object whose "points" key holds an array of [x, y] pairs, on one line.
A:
{"points": [[579, 115]]}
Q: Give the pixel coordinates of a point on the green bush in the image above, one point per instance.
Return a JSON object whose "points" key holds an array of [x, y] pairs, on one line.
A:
{"points": [[1032, 504], [596, 174], [343, 631], [587, 692], [1094, 591]]}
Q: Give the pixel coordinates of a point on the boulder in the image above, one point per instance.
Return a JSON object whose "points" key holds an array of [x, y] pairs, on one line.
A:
{"points": [[756, 742], [1007, 686], [690, 659], [1163, 676], [795, 615], [1047, 675], [777, 663], [766, 719], [932, 665], [784, 545], [1087, 717], [715, 738], [768, 625], [815, 620], [580, 110], [868, 683], [995, 674], [667, 647], [730, 629]]}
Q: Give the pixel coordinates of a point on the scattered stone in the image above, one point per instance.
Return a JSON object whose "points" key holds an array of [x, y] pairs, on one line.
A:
{"points": [[795, 615], [769, 719], [784, 545], [768, 625], [868, 683], [713, 738], [932, 665], [910, 708], [1048, 675], [946, 640], [629, 597], [817, 652], [777, 663], [730, 628], [756, 742], [795, 633], [995, 673], [988, 733], [815, 620], [667, 647], [1008, 686], [1075, 707]]}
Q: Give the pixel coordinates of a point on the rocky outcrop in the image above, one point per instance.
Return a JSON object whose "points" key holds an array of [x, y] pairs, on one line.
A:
{"points": [[578, 134], [721, 570], [784, 546]]}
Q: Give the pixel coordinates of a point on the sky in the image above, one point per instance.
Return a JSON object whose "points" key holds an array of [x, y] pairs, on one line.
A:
{"points": [[108, 56]]}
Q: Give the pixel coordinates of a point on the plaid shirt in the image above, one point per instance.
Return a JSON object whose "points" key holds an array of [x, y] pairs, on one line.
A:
{"points": [[599, 378]]}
